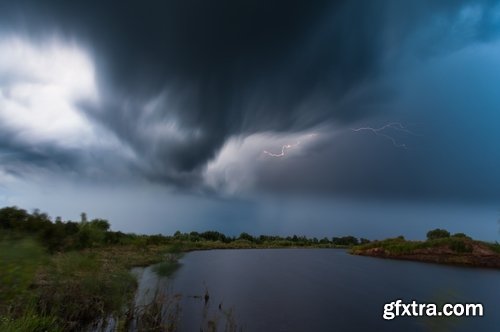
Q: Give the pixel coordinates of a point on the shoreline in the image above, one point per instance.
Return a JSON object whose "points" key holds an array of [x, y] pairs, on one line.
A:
{"points": [[463, 252], [471, 261]]}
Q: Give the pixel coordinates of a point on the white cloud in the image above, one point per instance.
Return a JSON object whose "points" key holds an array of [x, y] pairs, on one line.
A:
{"points": [[235, 168], [40, 87]]}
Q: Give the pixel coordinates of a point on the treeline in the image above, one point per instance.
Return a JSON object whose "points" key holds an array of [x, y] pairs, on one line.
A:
{"points": [[56, 235], [294, 239], [59, 235]]}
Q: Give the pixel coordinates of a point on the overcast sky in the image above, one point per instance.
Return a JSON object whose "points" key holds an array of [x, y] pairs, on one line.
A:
{"points": [[321, 118]]}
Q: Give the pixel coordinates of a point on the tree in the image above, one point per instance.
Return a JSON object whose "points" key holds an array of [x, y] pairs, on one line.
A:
{"points": [[345, 241], [437, 234], [324, 240], [246, 236], [194, 236], [363, 241], [12, 217], [101, 224], [213, 236]]}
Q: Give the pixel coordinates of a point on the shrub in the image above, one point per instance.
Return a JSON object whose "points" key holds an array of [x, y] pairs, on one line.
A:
{"points": [[461, 235], [437, 234], [459, 245], [246, 236]]}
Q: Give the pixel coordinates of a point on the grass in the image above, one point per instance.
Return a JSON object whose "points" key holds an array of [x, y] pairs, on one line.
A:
{"points": [[78, 288], [31, 321], [161, 314], [68, 291], [401, 246], [19, 262], [494, 246]]}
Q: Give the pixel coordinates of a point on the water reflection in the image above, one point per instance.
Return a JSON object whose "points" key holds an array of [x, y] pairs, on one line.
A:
{"points": [[316, 290]]}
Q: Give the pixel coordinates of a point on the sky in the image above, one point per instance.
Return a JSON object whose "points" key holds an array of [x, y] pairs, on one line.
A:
{"points": [[281, 117]]}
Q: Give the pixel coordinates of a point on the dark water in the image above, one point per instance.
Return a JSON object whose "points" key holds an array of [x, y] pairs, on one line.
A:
{"points": [[322, 290]]}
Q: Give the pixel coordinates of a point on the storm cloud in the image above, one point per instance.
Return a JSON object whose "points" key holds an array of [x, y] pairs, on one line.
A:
{"points": [[189, 94]]}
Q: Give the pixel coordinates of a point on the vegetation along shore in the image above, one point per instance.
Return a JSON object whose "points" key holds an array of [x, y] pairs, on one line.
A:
{"points": [[440, 247]]}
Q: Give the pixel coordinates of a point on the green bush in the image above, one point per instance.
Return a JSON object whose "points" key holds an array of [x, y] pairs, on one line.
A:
{"points": [[437, 234], [459, 245], [461, 235]]}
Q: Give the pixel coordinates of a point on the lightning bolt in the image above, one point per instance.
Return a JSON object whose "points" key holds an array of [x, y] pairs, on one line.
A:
{"points": [[394, 126], [286, 147]]}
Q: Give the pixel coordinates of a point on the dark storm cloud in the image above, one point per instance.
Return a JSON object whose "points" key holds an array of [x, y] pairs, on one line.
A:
{"points": [[223, 68], [453, 154], [17, 157], [20, 159]]}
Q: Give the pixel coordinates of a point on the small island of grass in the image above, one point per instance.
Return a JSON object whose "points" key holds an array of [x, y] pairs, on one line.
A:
{"points": [[440, 247]]}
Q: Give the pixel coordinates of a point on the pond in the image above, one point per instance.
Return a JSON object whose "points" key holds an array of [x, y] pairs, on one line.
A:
{"points": [[316, 290]]}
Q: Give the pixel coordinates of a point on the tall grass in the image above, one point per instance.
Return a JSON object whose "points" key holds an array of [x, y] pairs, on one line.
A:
{"points": [[78, 288], [19, 262], [20, 259], [30, 320], [162, 313]]}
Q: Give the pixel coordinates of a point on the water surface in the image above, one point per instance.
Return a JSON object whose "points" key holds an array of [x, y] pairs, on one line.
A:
{"points": [[321, 290]]}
